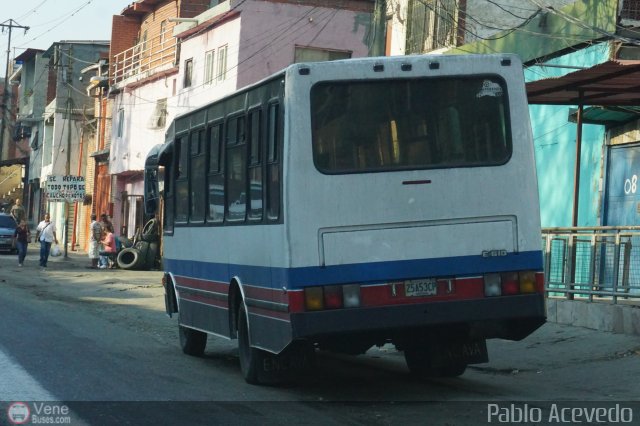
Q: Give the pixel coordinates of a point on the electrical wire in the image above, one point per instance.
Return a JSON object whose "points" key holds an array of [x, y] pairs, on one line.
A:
{"points": [[32, 10], [289, 30], [58, 24]]}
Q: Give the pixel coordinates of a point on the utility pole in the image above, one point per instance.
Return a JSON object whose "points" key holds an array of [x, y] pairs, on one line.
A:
{"points": [[10, 24], [67, 170]]}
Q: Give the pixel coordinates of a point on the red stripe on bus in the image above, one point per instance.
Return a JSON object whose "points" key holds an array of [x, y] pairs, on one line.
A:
{"points": [[391, 294], [206, 285], [266, 294], [205, 300]]}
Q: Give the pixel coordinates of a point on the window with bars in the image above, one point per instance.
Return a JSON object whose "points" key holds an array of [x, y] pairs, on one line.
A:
{"points": [[630, 10]]}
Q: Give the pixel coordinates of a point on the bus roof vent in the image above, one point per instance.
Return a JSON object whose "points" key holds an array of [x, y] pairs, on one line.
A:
{"points": [[378, 67], [304, 70], [434, 65], [505, 62], [406, 67]]}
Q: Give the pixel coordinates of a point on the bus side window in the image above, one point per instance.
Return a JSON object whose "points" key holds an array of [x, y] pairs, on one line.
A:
{"points": [[236, 170], [197, 177], [274, 135], [182, 181], [215, 176]]}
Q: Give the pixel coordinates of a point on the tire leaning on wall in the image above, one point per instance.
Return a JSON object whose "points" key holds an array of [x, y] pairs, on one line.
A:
{"points": [[130, 258]]}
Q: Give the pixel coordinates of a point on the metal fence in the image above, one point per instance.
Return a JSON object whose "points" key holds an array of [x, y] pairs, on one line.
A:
{"points": [[586, 263]]}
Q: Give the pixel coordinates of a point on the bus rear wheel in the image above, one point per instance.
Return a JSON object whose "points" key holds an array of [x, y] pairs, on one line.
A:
{"points": [[251, 359], [192, 341]]}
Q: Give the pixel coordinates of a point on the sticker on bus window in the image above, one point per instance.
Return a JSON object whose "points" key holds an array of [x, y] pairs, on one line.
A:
{"points": [[489, 88]]}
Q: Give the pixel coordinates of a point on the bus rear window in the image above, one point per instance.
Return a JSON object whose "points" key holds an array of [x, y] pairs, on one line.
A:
{"points": [[409, 124]]}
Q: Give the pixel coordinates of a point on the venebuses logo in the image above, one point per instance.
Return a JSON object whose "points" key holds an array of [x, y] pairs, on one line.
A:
{"points": [[18, 413]]}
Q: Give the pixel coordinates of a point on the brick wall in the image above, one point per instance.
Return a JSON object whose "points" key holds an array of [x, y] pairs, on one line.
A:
{"points": [[191, 8], [124, 34]]}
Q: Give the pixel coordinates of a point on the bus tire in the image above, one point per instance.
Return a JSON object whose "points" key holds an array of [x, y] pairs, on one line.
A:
{"points": [[420, 364], [251, 359], [192, 341], [129, 258]]}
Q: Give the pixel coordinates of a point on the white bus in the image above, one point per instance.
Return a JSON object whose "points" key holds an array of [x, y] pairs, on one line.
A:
{"points": [[346, 204]]}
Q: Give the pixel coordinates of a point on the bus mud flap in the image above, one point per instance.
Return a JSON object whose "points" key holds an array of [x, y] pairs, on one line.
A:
{"points": [[170, 302]]}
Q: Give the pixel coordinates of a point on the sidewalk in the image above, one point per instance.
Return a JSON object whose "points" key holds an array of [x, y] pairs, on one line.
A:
{"points": [[74, 260], [68, 278]]}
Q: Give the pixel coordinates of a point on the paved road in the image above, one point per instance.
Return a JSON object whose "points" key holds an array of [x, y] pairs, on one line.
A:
{"points": [[73, 334]]}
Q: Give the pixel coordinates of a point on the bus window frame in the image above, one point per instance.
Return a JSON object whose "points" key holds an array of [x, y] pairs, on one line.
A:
{"points": [[257, 161], [273, 155], [179, 179]]}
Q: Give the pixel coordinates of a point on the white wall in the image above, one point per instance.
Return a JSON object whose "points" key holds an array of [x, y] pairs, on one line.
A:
{"points": [[128, 152]]}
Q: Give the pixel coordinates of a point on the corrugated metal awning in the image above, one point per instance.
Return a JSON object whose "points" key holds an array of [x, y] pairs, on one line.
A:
{"points": [[612, 83], [606, 116]]}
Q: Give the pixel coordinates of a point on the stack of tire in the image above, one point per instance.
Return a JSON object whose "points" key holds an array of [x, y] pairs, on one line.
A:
{"points": [[143, 253]]}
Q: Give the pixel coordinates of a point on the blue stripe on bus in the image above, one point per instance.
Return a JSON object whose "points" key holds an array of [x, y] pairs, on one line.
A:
{"points": [[373, 272]]}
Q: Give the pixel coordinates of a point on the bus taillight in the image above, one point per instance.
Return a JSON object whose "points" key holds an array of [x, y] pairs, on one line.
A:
{"points": [[313, 298], [351, 295], [510, 283], [332, 297], [527, 282]]}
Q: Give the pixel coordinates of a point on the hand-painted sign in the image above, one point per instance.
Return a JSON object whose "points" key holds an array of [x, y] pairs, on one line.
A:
{"points": [[65, 188]]}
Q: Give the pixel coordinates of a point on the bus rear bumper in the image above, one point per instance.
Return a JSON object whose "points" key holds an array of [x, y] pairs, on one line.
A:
{"points": [[507, 317]]}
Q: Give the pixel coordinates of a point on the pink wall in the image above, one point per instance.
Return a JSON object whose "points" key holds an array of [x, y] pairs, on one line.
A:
{"points": [[261, 41], [270, 32]]}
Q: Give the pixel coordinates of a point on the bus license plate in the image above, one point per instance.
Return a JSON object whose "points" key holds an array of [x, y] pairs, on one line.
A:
{"points": [[426, 287]]}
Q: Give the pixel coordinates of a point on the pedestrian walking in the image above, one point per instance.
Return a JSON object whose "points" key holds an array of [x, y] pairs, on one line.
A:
{"points": [[22, 236], [17, 212], [95, 231], [46, 234]]}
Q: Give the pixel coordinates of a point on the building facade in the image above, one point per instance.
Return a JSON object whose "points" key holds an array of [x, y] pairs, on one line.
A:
{"points": [[222, 47], [67, 129]]}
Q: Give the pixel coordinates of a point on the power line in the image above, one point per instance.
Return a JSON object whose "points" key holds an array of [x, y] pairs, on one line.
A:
{"points": [[32, 10], [59, 23]]}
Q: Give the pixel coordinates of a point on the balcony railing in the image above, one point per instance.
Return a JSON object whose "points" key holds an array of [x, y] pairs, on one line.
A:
{"points": [[146, 58]]}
